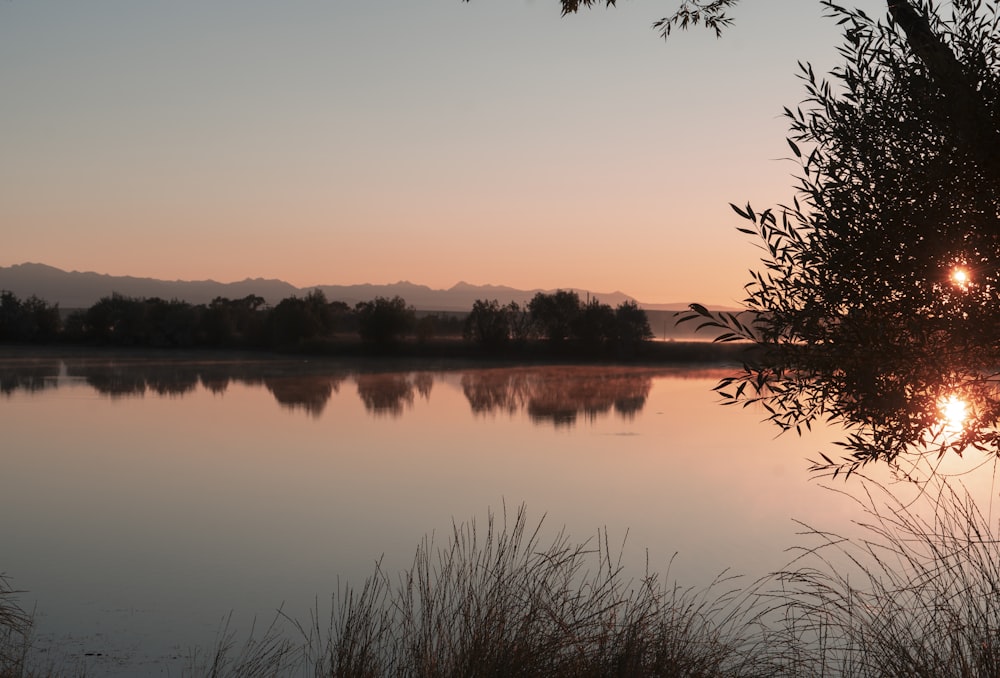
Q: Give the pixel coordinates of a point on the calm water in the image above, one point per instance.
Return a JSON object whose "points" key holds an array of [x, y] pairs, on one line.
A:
{"points": [[142, 502]]}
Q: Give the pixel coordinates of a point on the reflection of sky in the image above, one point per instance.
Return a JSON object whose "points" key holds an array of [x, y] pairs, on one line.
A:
{"points": [[178, 510]]}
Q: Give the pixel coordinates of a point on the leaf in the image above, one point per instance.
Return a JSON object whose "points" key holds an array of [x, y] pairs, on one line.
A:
{"points": [[745, 215], [795, 149]]}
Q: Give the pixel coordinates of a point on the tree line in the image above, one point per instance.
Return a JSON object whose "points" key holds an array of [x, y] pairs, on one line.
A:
{"points": [[559, 320]]}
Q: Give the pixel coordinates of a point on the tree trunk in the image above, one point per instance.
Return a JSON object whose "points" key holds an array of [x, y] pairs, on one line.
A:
{"points": [[972, 121]]}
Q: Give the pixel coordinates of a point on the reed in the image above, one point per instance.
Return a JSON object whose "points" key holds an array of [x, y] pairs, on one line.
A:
{"points": [[264, 655], [15, 635], [917, 595], [499, 602]]}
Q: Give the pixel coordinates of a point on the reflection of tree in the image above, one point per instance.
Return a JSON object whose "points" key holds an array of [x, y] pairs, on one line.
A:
{"points": [[389, 392], [291, 385], [310, 392], [557, 395], [27, 376], [110, 379], [423, 381], [490, 391], [125, 379], [216, 383], [171, 380]]}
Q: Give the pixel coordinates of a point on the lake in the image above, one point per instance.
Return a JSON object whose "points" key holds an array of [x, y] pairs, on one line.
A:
{"points": [[144, 500]]}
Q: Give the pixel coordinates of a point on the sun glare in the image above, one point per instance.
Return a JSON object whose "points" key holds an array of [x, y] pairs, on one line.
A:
{"points": [[954, 412], [960, 277]]}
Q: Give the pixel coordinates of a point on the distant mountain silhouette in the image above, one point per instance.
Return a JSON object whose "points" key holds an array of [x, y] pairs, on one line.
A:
{"points": [[75, 289]]}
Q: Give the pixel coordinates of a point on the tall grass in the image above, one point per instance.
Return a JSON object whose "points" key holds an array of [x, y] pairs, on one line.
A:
{"points": [[499, 602], [917, 594], [257, 656], [15, 634]]}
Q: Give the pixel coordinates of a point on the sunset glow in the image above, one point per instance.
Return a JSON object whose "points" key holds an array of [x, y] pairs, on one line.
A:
{"points": [[325, 144]]}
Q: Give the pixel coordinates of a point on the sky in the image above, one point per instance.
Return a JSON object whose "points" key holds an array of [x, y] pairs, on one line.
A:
{"points": [[373, 141]]}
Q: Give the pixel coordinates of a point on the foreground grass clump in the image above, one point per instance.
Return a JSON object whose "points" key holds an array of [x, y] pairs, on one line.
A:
{"points": [[15, 634], [917, 594], [498, 603]]}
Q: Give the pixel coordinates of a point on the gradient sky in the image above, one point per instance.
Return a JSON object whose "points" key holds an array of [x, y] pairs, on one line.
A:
{"points": [[352, 141]]}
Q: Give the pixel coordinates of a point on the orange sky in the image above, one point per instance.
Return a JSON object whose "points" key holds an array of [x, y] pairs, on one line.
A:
{"points": [[381, 140]]}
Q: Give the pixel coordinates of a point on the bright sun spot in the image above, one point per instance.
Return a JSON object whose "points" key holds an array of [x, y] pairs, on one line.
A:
{"points": [[960, 276], [954, 410]]}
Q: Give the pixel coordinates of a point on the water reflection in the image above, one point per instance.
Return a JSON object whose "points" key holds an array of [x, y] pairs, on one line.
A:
{"points": [[385, 393], [308, 392], [553, 395], [559, 394], [28, 375]]}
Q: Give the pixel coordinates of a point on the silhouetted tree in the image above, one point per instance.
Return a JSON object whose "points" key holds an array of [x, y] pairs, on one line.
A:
{"points": [[296, 319], [383, 322], [171, 323], [234, 322], [488, 324], [116, 319], [31, 320], [345, 319], [554, 314], [522, 328], [426, 327], [632, 328], [594, 325], [879, 298]]}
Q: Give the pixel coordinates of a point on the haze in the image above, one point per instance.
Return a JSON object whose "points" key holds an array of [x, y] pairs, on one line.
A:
{"points": [[381, 140]]}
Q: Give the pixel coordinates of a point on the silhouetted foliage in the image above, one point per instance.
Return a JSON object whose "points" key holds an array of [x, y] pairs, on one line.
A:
{"points": [[632, 328], [295, 320], [554, 314], [127, 321], [708, 13], [115, 320], [30, 320], [494, 326], [310, 323], [234, 322], [383, 322], [594, 325], [862, 307], [172, 323]]}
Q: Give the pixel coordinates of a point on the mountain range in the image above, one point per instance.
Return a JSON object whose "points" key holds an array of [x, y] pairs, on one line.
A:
{"points": [[75, 289]]}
